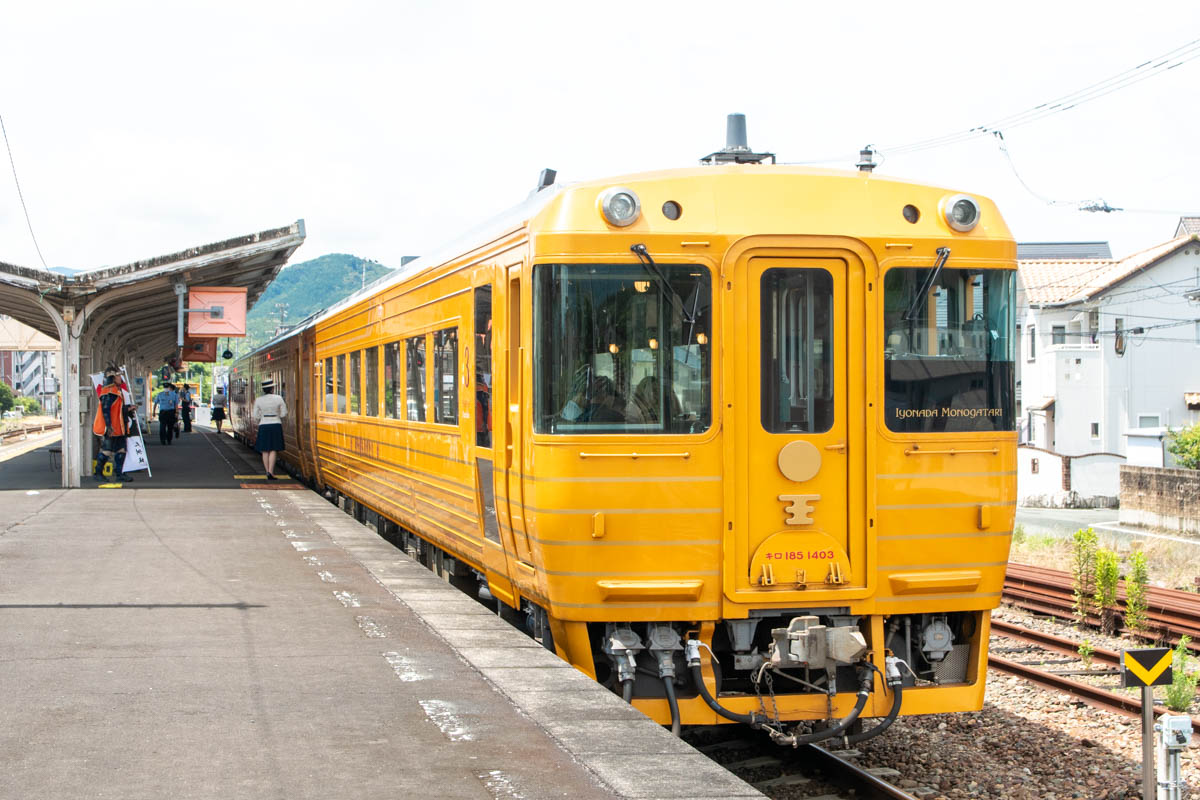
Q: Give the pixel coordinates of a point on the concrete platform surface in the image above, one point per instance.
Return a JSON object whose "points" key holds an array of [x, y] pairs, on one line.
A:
{"points": [[259, 643]]}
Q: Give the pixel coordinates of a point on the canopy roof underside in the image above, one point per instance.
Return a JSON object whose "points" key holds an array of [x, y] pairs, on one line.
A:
{"points": [[133, 307]]}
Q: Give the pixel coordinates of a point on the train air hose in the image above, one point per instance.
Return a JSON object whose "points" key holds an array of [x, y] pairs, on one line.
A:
{"points": [[897, 686], [779, 737], [672, 702]]}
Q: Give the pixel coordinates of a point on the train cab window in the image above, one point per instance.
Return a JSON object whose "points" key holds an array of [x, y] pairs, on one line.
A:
{"points": [[949, 350], [445, 376], [622, 349], [393, 384], [415, 361], [483, 366], [341, 384], [797, 350], [355, 382], [371, 367], [330, 397]]}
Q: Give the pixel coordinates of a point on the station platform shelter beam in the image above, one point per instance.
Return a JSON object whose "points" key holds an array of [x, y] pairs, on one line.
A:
{"points": [[128, 315]]}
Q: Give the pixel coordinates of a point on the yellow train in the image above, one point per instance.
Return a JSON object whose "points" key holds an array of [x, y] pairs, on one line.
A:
{"points": [[737, 440]]}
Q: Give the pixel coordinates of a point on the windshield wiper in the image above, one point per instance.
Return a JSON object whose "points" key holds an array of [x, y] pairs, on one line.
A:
{"points": [[643, 255], [918, 303]]}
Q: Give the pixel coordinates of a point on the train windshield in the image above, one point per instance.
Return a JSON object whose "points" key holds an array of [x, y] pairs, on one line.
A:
{"points": [[618, 349], [949, 350]]}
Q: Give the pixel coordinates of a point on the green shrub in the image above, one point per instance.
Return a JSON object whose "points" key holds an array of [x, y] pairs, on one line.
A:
{"points": [[30, 405], [1182, 690], [1185, 446], [1108, 574], [1018, 534], [1083, 572], [1136, 583], [1086, 651]]}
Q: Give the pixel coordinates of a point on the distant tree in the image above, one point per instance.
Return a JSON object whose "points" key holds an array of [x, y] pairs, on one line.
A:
{"points": [[1185, 446], [6, 397], [30, 405]]}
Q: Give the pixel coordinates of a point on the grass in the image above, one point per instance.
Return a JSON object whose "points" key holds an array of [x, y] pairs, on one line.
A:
{"points": [[1171, 564]]}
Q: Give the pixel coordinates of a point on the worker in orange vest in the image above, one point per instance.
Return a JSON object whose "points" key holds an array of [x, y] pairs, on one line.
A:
{"points": [[110, 426]]}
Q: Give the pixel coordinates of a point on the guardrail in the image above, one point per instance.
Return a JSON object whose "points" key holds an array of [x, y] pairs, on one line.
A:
{"points": [[25, 431]]}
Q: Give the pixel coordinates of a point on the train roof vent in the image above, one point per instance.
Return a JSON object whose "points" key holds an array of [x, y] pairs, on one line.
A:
{"points": [[736, 150]]}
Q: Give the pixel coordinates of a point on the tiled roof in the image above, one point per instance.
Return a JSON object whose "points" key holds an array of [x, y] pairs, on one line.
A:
{"points": [[1188, 225], [1058, 282]]}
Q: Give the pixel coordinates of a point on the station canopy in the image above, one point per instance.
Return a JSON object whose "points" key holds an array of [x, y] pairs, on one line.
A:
{"points": [[130, 314]]}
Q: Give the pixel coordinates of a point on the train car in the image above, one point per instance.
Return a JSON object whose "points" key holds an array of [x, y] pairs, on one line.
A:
{"points": [[738, 440]]}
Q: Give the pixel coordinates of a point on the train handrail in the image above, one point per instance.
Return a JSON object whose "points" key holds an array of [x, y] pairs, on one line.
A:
{"points": [[951, 452]]}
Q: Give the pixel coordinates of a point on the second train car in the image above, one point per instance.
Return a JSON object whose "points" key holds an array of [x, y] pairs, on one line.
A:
{"points": [[738, 440]]}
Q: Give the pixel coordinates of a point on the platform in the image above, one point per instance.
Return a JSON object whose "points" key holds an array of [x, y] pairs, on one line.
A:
{"points": [[186, 637]]}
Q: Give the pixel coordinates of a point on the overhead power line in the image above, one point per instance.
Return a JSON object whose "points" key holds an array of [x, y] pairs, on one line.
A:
{"points": [[8, 147], [1147, 69]]}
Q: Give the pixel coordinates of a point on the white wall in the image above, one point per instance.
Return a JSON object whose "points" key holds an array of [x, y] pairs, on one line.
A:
{"points": [[1157, 367]]}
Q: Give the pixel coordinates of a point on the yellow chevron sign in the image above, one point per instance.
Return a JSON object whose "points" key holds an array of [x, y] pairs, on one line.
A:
{"points": [[1150, 667]]}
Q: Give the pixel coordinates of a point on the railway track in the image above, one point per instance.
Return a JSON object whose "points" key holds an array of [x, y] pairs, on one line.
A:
{"points": [[1094, 696], [1171, 613], [26, 432], [809, 772]]}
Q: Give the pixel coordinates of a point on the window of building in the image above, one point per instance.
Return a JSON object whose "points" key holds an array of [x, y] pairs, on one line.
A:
{"points": [[355, 381], [1058, 334], [372, 369], [483, 366], [1031, 334], [1095, 430], [415, 381], [445, 376], [330, 397], [1148, 421]]}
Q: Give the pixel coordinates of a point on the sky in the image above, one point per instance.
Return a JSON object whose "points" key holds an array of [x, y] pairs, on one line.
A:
{"points": [[139, 129]]}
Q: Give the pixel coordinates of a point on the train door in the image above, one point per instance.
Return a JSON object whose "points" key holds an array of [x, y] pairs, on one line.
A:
{"points": [[796, 427], [514, 411]]}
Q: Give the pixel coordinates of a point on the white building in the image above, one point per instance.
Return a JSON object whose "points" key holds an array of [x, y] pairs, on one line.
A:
{"points": [[29, 363], [1108, 347]]}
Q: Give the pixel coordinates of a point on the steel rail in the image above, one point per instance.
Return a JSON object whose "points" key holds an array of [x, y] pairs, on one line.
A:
{"points": [[1049, 641], [1093, 696], [1171, 613], [865, 785]]}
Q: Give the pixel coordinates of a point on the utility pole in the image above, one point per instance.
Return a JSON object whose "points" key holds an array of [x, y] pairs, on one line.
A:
{"points": [[282, 308]]}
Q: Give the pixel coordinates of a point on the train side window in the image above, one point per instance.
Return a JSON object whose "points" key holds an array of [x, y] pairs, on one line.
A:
{"points": [[356, 382], [341, 384], [330, 397], [445, 376], [393, 392], [415, 368], [371, 364], [797, 350], [483, 366]]}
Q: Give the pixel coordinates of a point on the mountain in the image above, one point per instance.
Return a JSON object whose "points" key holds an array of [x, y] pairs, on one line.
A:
{"points": [[308, 287]]}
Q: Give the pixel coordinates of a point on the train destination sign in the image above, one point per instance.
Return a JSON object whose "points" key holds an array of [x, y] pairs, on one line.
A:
{"points": [[1151, 667]]}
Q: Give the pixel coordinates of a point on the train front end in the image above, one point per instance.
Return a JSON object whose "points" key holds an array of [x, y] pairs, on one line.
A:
{"points": [[771, 470]]}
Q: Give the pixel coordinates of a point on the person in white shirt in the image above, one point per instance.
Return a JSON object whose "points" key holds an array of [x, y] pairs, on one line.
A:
{"points": [[219, 402], [269, 412]]}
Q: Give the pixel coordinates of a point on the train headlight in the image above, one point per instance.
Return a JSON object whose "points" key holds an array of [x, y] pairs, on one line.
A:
{"points": [[620, 206], [962, 213]]}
